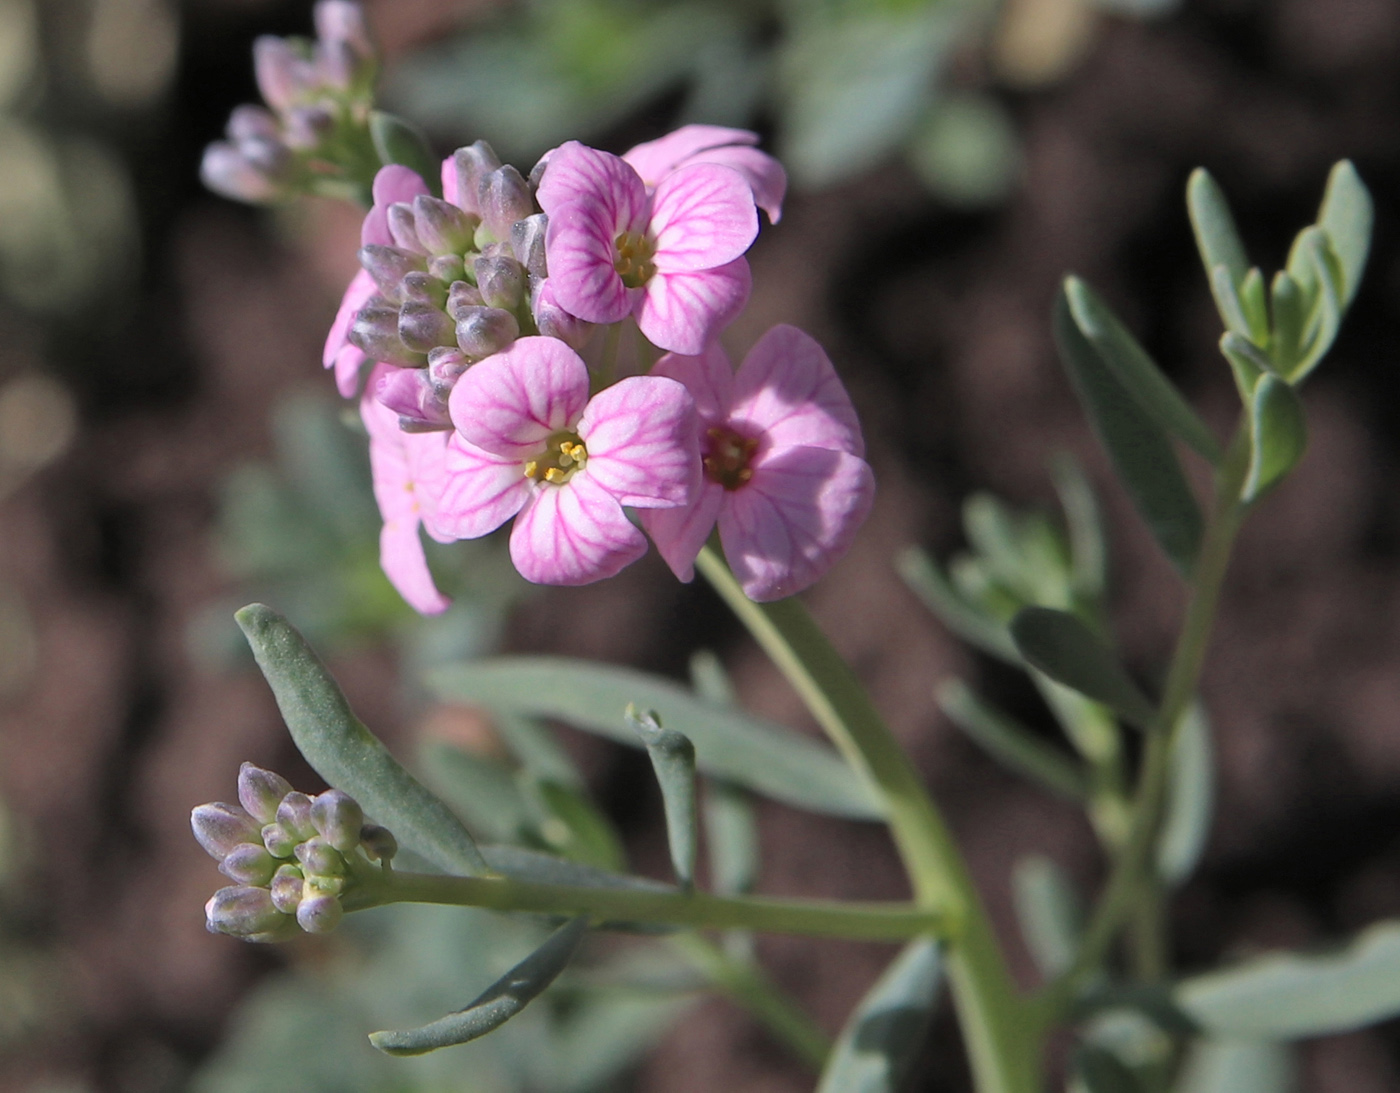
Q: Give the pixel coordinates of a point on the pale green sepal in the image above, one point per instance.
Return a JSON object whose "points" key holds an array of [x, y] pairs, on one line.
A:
{"points": [[398, 141], [887, 1029], [1138, 372], [1278, 435], [1238, 1066], [1011, 743], [1347, 216], [1140, 451], [345, 753], [1190, 799], [1097, 1070], [673, 759], [1216, 237], [1088, 551], [498, 1004], [1049, 913], [1229, 304], [1065, 649], [1254, 299], [923, 575], [1291, 996], [592, 696], [1290, 320]]}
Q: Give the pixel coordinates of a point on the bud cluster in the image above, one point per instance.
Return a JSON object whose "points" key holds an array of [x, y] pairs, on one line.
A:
{"points": [[291, 856], [318, 95]]}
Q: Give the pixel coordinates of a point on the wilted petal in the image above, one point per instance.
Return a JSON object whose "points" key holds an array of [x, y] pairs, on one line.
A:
{"points": [[708, 377], [655, 159], [510, 403], [642, 440], [577, 173], [481, 491], [574, 534], [581, 243], [683, 312], [394, 183], [788, 392], [794, 519], [702, 216], [679, 533]]}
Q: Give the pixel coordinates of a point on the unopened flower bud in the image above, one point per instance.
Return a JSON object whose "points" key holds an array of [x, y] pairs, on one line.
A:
{"points": [[219, 828], [482, 331], [500, 280], [280, 842], [442, 226], [537, 171], [319, 914], [527, 240], [283, 75], [423, 288], [248, 122], [323, 884], [423, 326], [260, 792], [473, 163], [308, 126], [247, 913], [375, 331], [554, 322], [379, 842], [226, 171], [342, 21], [248, 863], [410, 393], [404, 229], [319, 858], [387, 265], [462, 298], [294, 813], [503, 198], [335, 64], [286, 888], [447, 267], [445, 367]]}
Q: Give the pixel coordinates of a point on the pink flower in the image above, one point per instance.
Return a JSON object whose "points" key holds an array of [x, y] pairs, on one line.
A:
{"points": [[734, 148], [392, 183], [408, 471], [529, 441], [671, 258], [783, 472]]}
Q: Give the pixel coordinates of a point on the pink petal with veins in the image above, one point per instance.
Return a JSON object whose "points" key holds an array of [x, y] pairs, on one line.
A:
{"points": [[643, 447], [702, 216], [573, 534], [480, 492], [679, 533], [708, 377], [338, 353], [581, 241], [683, 312], [787, 391], [794, 519], [392, 184], [655, 159], [765, 175], [510, 403], [576, 173]]}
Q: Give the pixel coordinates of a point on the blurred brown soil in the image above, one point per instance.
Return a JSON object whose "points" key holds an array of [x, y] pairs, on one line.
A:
{"points": [[939, 322]]}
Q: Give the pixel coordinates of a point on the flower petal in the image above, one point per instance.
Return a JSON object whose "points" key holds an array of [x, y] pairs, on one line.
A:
{"points": [[581, 243], [347, 364], [573, 534], [643, 442], [480, 491], [764, 174], [683, 312], [794, 519], [708, 377], [577, 173], [702, 216], [655, 159], [510, 403], [357, 294], [788, 392], [393, 183], [404, 563], [679, 533]]}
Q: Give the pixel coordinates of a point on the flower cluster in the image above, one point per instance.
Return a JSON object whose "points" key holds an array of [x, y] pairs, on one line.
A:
{"points": [[318, 97], [503, 383], [292, 856]]}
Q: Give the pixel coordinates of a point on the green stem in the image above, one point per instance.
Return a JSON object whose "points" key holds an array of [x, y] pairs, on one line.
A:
{"points": [[860, 921], [1003, 1046]]}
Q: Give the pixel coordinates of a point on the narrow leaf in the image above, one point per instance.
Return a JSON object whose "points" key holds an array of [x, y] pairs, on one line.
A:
{"points": [[992, 533], [1138, 372], [732, 837], [970, 623], [572, 825], [1216, 236], [345, 753], [1049, 913], [673, 759], [1229, 303], [1347, 216], [1278, 435], [591, 696], [483, 791], [1325, 318], [1289, 996], [1097, 1070], [531, 865], [1011, 743], [1247, 361], [498, 1004], [398, 141], [1066, 650], [1190, 799], [884, 1034], [1141, 453], [710, 680], [1237, 1066], [536, 749], [1254, 299], [1088, 552], [1290, 318]]}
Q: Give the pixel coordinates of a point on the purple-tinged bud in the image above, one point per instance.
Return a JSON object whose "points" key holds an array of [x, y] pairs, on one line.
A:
{"points": [[248, 863], [286, 888], [423, 326], [410, 393], [447, 267], [247, 913], [260, 792], [248, 122], [423, 288], [473, 163], [280, 842], [226, 171], [500, 280], [463, 298], [342, 21], [308, 126], [482, 331], [319, 914], [338, 816], [219, 828], [336, 65], [319, 858], [445, 367], [375, 331], [527, 240], [283, 75], [294, 813], [554, 322], [442, 227], [271, 157], [379, 843], [537, 171], [404, 229], [387, 265], [503, 198]]}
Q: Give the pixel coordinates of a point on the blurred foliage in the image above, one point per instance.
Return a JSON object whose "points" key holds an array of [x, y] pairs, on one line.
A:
{"points": [[847, 84]]}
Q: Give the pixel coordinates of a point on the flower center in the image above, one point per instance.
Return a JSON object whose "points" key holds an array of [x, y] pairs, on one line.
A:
{"points": [[562, 456], [726, 460], [633, 262]]}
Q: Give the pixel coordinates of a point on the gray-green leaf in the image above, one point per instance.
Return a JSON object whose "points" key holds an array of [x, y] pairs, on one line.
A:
{"points": [[1346, 216], [923, 575], [1237, 1066], [1278, 435], [398, 141], [1049, 913], [673, 759], [1190, 799], [1216, 236]]}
